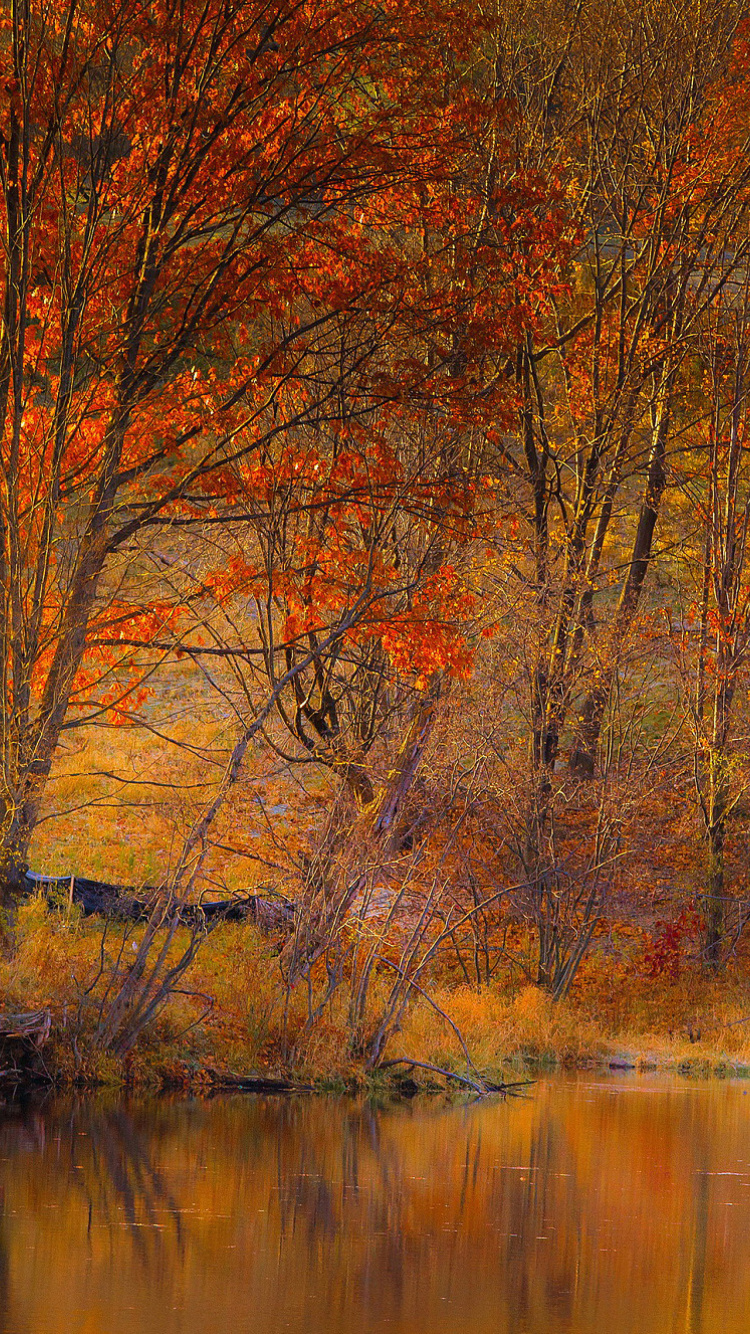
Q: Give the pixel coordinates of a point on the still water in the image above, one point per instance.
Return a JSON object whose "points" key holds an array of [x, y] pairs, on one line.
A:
{"points": [[612, 1205]]}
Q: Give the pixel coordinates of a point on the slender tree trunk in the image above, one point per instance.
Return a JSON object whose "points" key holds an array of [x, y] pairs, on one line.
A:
{"points": [[717, 810], [588, 731], [385, 823], [713, 900]]}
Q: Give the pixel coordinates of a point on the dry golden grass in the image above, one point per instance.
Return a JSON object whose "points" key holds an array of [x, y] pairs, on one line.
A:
{"points": [[251, 1024], [122, 798]]}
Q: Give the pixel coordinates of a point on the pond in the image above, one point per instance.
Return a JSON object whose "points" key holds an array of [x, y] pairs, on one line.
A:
{"points": [[595, 1204]]}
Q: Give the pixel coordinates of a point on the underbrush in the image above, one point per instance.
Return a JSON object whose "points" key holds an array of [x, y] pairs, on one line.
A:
{"points": [[232, 1012]]}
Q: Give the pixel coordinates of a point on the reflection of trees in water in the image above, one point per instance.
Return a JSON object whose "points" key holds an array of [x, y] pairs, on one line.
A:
{"points": [[564, 1213], [542, 1214], [587, 1212], [105, 1155], [456, 1221], [5, 1273], [693, 1252], [22, 1130], [335, 1187], [120, 1180], [5, 1289], [695, 1287]]}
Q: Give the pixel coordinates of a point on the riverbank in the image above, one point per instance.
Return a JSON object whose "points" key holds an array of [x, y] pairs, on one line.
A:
{"points": [[232, 1016]]}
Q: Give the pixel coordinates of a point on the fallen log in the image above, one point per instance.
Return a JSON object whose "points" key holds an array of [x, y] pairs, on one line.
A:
{"points": [[121, 902], [91, 896]]}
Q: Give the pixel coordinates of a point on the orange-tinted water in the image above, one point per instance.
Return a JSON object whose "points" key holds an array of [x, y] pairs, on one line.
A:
{"points": [[597, 1206]]}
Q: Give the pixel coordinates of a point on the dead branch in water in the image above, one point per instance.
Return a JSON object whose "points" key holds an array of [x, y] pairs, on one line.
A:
{"points": [[481, 1086]]}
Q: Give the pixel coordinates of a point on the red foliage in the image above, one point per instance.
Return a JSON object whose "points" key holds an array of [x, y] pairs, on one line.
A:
{"points": [[665, 953]]}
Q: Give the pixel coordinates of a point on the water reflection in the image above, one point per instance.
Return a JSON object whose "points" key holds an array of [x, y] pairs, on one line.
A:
{"points": [[622, 1205]]}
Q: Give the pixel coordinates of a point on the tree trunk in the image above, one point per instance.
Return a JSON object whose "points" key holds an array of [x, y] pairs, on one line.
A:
{"points": [[588, 731], [385, 823], [713, 900], [17, 824]]}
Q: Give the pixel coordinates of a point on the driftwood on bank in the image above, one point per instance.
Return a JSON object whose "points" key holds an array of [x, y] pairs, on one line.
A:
{"points": [[22, 1036], [33, 1027], [226, 1082], [269, 912]]}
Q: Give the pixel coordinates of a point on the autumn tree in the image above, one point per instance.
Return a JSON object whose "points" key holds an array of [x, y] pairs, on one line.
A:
{"points": [[366, 512], [192, 196], [711, 627], [626, 118], [635, 128]]}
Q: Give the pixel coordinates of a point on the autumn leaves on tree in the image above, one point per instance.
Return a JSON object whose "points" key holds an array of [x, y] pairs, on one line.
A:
{"points": [[211, 299], [333, 331]]}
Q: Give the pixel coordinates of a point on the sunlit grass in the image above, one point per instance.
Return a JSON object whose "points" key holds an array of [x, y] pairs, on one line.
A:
{"points": [[232, 1013]]}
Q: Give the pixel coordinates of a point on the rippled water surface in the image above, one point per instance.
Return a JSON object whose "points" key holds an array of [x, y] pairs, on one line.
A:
{"points": [[596, 1206]]}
